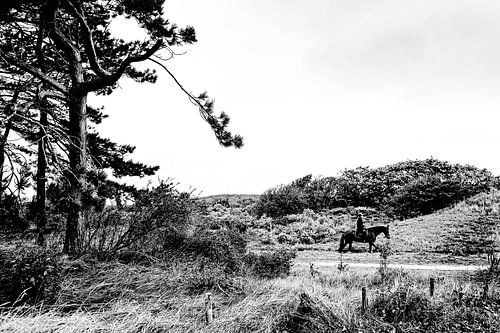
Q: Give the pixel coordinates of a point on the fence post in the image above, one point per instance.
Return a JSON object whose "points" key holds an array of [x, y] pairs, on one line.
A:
{"points": [[485, 290], [364, 301], [209, 308], [431, 287], [270, 234]]}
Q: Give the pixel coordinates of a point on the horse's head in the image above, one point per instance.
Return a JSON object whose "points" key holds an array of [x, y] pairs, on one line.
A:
{"points": [[386, 233]]}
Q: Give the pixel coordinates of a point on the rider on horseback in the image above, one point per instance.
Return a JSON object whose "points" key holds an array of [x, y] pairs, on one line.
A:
{"points": [[360, 226]]}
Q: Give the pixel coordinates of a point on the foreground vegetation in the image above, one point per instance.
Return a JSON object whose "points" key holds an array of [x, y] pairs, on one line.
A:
{"points": [[148, 296], [147, 266]]}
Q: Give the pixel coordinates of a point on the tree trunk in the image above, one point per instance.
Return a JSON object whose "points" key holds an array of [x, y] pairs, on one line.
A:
{"points": [[2, 160], [3, 143], [77, 172], [41, 215]]}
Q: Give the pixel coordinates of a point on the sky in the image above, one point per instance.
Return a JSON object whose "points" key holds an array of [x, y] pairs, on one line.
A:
{"points": [[316, 87]]}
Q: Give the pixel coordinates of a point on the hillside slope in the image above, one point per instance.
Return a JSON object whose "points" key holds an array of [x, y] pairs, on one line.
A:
{"points": [[462, 234], [470, 227]]}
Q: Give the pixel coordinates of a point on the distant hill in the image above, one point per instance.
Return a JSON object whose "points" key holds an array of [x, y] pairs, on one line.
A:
{"points": [[232, 200]]}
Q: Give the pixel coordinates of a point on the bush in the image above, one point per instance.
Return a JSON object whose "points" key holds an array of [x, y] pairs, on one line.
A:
{"points": [[159, 220], [305, 228], [280, 201], [205, 274], [28, 277], [11, 214], [224, 247], [270, 265], [406, 305]]}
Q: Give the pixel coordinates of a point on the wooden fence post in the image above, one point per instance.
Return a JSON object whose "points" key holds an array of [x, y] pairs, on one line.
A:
{"points": [[460, 295], [364, 301], [209, 308], [431, 287], [485, 290]]}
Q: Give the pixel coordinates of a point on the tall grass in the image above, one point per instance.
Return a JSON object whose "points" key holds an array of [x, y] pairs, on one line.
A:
{"points": [[114, 297]]}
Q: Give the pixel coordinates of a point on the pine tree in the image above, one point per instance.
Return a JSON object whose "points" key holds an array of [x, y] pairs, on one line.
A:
{"points": [[67, 47]]}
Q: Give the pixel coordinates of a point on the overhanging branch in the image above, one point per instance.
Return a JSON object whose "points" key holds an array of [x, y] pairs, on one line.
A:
{"points": [[109, 80]]}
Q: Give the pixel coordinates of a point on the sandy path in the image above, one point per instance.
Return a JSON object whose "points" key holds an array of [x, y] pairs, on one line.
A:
{"points": [[433, 267]]}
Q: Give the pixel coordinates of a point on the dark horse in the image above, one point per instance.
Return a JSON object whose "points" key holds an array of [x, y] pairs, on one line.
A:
{"points": [[369, 237]]}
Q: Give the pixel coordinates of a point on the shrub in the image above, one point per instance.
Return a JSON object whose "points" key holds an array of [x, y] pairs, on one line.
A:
{"points": [[236, 219], [205, 274], [270, 265], [11, 214], [406, 305], [224, 247], [281, 201], [159, 219], [287, 238], [28, 277], [305, 228]]}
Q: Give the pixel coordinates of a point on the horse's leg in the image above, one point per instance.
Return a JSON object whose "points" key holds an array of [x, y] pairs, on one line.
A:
{"points": [[370, 249], [342, 245], [350, 246], [375, 246]]}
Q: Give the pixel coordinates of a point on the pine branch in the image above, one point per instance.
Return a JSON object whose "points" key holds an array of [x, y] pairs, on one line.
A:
{"points": [[111, 79], [34, 72]]}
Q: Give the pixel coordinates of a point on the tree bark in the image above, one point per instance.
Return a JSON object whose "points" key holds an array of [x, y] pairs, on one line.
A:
{"points": [[41, 180], [2, 160], [3, 143], [77, 172]]}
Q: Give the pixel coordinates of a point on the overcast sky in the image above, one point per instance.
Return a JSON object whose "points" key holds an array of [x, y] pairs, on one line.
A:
{"points": [[316, 87]]}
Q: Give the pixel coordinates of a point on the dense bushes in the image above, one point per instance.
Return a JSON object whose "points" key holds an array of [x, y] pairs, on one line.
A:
{"points": [[11, 214], [305, 228], [28, 276], [280, 201], [223, 247], [403, 190], [160, 218], [426, 195], [271, 264]]}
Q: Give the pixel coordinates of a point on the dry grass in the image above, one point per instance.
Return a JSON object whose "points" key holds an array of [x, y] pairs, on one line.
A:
{"points": [[159, 297], [113, 297]]}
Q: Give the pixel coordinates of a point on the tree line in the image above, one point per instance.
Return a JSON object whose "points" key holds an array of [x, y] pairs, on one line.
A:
{"points": [[402, 190]]}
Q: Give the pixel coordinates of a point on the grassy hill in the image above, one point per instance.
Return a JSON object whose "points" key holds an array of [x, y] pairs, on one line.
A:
{"points": [[462, 234], [470, 227]]}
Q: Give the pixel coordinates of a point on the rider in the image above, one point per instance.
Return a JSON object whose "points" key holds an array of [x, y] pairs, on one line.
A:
{"points": [[360, 226]]}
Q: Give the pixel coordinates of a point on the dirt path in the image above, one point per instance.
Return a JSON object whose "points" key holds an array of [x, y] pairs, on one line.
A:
{"points": [[429, 267]]}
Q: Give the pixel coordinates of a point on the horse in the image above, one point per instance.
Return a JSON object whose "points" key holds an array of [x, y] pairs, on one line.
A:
{"points": [[369, 237]]}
